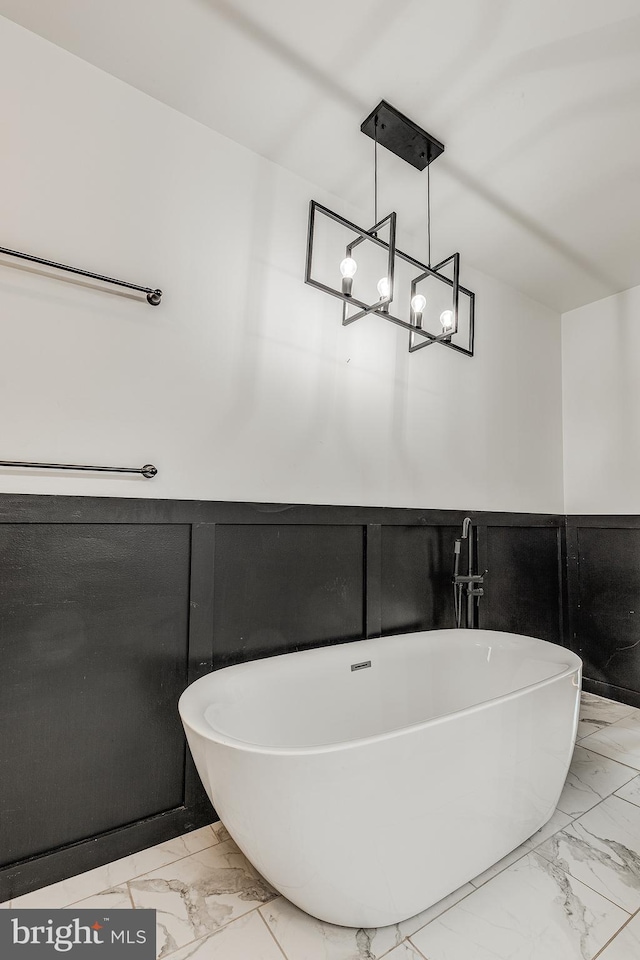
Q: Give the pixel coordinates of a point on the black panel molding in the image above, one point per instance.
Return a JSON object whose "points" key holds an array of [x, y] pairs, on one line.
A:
{"points": [[373, 573], [523, 584], [96, 624], [603, 591], [35, 508], [286, 587]]}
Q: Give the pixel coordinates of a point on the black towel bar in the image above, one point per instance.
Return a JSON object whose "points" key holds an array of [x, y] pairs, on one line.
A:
{"points": [[147, 471], [153, 296]]}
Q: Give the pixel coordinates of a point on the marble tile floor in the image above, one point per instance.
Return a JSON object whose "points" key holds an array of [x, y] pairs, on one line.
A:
{"points": [[571, 892]]}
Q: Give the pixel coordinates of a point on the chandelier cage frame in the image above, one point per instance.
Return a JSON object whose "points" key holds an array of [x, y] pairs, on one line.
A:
{"points": [[393, 130]]}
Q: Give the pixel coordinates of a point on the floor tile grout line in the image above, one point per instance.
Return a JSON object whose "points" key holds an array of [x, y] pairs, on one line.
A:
{"points": [[592, 749], [607, 723], [568, 873], [461, 900], [129, 879], [133, 906], [547, 860], [207, 936], [584, 882], [271, 933], [171, 862], [634, 717], [576, 816], [190, 943], [613, 792], [616, 934], [356, 929], [525, 853], [404, 939], [395, 946], [574, 819], [624, 799], [413, 946], [589, 750], [616, 724]]}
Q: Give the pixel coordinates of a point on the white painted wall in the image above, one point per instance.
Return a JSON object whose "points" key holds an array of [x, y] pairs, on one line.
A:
{"points": [[242, 385], [601, 405]]}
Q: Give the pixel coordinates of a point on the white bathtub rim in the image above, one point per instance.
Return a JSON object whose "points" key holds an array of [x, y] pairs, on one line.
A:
{"points": [[193, 718]]}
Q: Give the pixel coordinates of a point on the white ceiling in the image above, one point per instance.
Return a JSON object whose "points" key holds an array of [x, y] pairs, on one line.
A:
{"points": [[537, 101]]}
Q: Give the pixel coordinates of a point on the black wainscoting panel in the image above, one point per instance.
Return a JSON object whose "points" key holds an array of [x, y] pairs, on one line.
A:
{"points": [[607, 619], [417, 566], [523, 584], [285, 587], [93, 647]]}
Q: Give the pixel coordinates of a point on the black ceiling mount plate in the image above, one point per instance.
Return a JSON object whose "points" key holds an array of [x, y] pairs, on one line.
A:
{"points": [[402, 136]]}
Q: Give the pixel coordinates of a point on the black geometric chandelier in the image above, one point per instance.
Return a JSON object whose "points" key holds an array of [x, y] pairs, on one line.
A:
{"points": [[365, 269]]}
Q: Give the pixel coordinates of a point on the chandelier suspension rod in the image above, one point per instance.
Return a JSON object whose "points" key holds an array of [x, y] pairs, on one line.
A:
{"points": [[429, 215], [375, 172]]}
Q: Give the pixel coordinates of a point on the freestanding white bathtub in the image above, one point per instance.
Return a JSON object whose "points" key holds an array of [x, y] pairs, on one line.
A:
{"points": [[368, 780]]}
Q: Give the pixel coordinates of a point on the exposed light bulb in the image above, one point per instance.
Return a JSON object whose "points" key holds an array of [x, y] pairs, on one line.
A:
{"points": [[446, 319], [418, 303], [384, 291], [348, 267], [384, 287]]}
